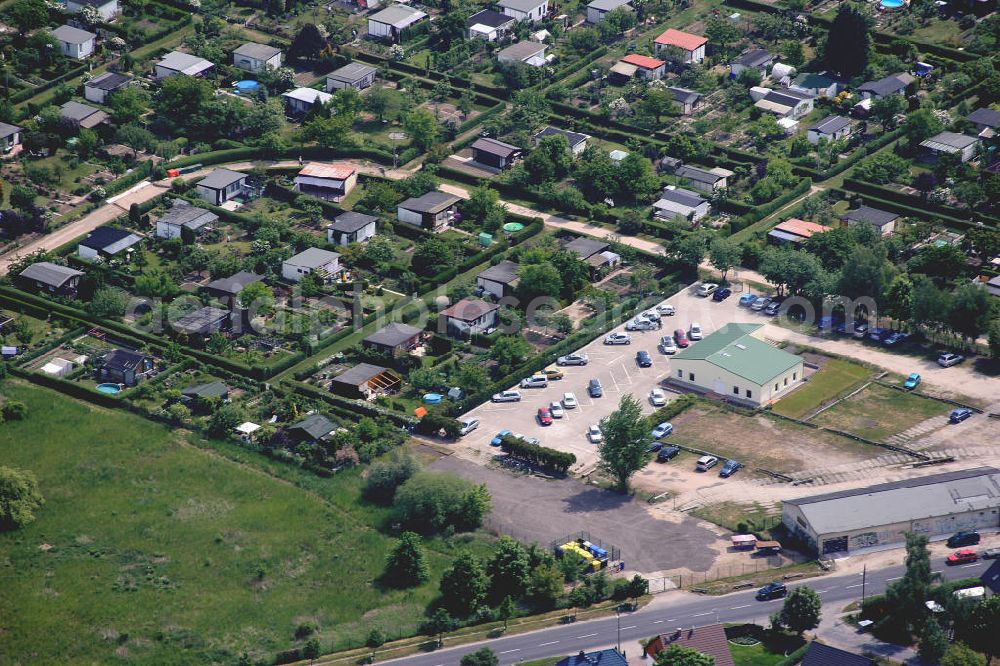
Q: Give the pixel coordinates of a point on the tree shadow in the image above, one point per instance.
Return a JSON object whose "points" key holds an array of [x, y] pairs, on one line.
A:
{"points": [[595, 499]]}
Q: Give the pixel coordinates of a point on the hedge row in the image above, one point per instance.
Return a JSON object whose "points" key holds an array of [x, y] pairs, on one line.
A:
{"points": [[538, 455], [413, 70], [903, 209], [916, 202], [28, 93], [858, 155], [744, 223], [252, 153], [348, 409]]}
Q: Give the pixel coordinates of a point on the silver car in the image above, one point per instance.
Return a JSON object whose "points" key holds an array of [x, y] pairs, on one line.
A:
{"points": [[573, 359], [507, 396]]}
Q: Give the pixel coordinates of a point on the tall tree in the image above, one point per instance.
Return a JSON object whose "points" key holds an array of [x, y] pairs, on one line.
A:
{"points": [[308, 43], [970, 311], [848, 42], [464, 586], [406, 565], [906, 596], [801, 610], [960, 654], [19, 498], [724, 254], [438, 624], [933, 642], [422, 127], [679, 655], [984, 627], [508, 570], [623, 449], [482, 657]]}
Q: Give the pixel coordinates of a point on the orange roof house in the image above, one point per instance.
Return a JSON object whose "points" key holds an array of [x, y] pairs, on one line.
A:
{"points": [[642, 61], [794, 230], [694, 45]]}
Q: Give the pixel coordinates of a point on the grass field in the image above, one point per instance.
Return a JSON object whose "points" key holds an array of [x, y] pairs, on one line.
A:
{"points": [[880, 411], [833, 379], [152, 550]]}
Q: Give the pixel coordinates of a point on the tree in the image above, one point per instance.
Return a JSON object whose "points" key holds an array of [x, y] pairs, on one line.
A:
{"points": [[482, 657], [377, 101], [920, 125], [792, 53], [127, 105], [509, 351], [959, 654], [690, 250], [464, 586], [538, 280], [906, 597], [550, 160], [28, 14], [422, 127], [865, 273], [994, 338], [406, 565], [431, 257], [801, 610], [109, 302], [933, 642], [546, 584], [848, 42], [983, 623], [257, 296], [506, 610], [623, 449], [439, 623], [508, 570], [970, 311], [385, 476], [898, 298], [19, 498], [724, 254], [432, 501], [481, 201], [23, 197], [658, 102], [637, 587], [15, 410], [943, 263], [86, 142], [885, 109], [307, 44], [679, 655]]}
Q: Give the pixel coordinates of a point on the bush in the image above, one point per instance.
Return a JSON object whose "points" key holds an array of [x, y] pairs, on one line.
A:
{"points": [[385, 476], [535, 454], [430, 502]]}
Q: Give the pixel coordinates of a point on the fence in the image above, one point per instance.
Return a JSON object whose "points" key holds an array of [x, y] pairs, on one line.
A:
{"points": [[614, 553], [692, 579]]}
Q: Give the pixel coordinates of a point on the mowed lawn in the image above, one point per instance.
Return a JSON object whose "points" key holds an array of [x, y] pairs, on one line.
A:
{"points": [[835, 378], [880, 411], [152, 551]]}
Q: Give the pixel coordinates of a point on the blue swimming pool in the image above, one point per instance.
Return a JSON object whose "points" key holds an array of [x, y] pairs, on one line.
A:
{"points": [[432, 398], [246, 86], [892, 4], [110, 389]]}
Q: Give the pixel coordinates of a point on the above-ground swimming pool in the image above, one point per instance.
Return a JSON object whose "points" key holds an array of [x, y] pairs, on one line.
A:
{"points": [[246, 86], [892, 4], [432, 398], [109, 388]]}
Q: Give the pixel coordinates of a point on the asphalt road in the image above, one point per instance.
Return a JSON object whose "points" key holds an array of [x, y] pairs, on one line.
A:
{"points": [[684, 611]]}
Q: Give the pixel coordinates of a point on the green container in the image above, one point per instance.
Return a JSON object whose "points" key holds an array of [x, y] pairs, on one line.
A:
{"points": [[485, 239]]}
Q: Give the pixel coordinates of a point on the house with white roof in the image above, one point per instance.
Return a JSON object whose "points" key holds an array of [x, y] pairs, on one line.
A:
{"points": [[176, 62], [524, 10], [676, 201], [313, 260], [254, 57], [74, 42], [390, 23], [300, 101], [355, 75]]}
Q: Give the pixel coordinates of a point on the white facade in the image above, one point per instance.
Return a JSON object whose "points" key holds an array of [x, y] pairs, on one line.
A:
{"points": [[528, 13], [297, 267], [707, 376], [252, 64], [77, 50]]}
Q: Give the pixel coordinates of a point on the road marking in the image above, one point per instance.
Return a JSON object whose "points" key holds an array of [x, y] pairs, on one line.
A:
{"points": [[969, 566], [824, 591], [657, 621], [508, 651], [739, 607], [586, 636], [672, 619], [549, 643], [893, 578], [630, 627], [701, 614], [847, 587]]}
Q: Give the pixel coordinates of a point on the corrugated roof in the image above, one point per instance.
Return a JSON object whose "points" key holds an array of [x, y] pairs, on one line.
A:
{"points": [[398, 16], [697, 174], [313, 257], [585, 247], [393, 334], [48, 273], [680, 39], [735, 350], [209, 390], [187, 215], [683, 95], [495, 147], [574, 138], [110, 239], [505, 272], [334, 171], [360, 374], [753, 58], [684, 197], [351, 72], [801, 228], [988, 117], [432, 202], [820, 654], [489, 18], [257, 51], [349, 222], [308, 95], [522, 50], [949, 142], [107, 82], [469, 309], [875, 216], [316, 426], [184, 63], [607, 5], [831, 125], [643, 61], [71, 35], [201, 320], [219, 179], [520, 5], [235, 283]]}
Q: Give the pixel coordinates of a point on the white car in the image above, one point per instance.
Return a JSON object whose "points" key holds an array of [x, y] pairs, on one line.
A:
{"points": [[695, 332], [666, 309], [507, 396], [617, 339], [706, 288], [640, 323], [556, 410], [667, 345], [594, 434], [468, 425], [947, 360], [657, 397], [569, 401]]}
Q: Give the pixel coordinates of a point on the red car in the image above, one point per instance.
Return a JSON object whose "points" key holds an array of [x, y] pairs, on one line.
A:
{"points": [[680, 337], [963, 557], [544, 416]]}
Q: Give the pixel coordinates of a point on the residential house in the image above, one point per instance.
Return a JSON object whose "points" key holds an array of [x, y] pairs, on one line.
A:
{"points": [[106, 9], [524, 10], [490, 25], [735, 363], [831, 128], [390, 22], [598, 9], [313, 428], [787, 103], [710, 640], [607, 657], [530, 53], [894, 84], [227, 290], [704, 180], [986, 121], [499, 280], [203, 322], [493, 153], [175, 63], [883, 220], [993, 288], [182, 215], [605, 259], [48, 278], [467, 317], [351, 227], [312, 260], [677, 201], [203, 397], [951, 143], [821, 654], [585, 247], [221, 185], [394, 339], [105, 243], [433, 211], [82, 115], [817, 85], [991, 578], [74, 42], [758, 59], [795, 231], [355, 75], [98, 88], [326, 181], [254, 57], [300, 101], [365, 381], [681, 47], [124, 366], [646, 68], [10, 139], [687, 100], [576, 140]]}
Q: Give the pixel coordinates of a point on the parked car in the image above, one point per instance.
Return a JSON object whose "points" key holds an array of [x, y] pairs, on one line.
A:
{"points": [[948, 359], [569, 400], [594, 388], [594, 434], [747, 299], [894, 339], [641, 324], [760, 303], [860, 331], [722, 294], [706, 463], [667, 345], [553, 373], [544, 416], [959, 415], [666, 310], [654, 447], [667, 453], [773, 308], [963, 557], [468, 425], [643, 359], [662, 430], [498, 439], [556, 409], [572, 359], [707, 288], [912, 382], [695, 333], [680, 337], [990, 554], [507, 396], [651, 315], [730, 468], [657, 398], [535, 381], [876, 334], [963, 538], [773, 590], [617, 339]]}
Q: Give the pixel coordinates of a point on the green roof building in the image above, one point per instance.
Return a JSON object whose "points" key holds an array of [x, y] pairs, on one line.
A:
{"points": [[736, 364]]}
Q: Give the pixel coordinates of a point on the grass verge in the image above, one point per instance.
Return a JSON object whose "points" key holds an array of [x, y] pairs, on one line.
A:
{"points": [[837, 377]]}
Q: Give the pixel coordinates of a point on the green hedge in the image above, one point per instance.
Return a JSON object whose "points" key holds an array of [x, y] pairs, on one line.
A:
{"points": [[347, 409], [917, 203], [535, 454], [743, 225], [28, 93]]}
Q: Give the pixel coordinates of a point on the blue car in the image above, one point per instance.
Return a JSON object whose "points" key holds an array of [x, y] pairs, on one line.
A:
{"points": [[747, 299], [662, 430], [912, 381], [496, 441], [960, 414], [877, 334], [894, 339]]}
